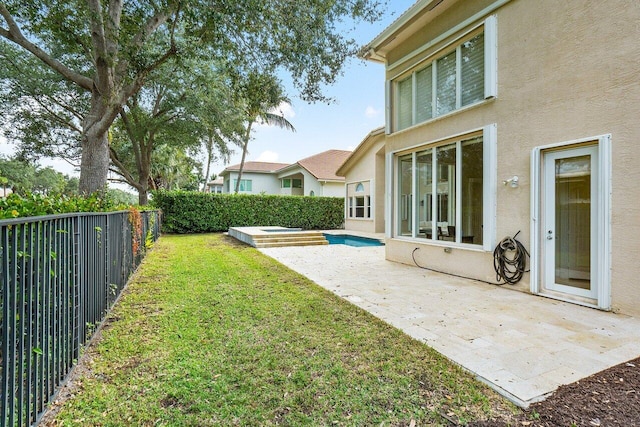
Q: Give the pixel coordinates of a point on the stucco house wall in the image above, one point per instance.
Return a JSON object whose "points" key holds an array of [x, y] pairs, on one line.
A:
{"points": [[366, 166], [330, 189], [566, 71], [260, 183]]}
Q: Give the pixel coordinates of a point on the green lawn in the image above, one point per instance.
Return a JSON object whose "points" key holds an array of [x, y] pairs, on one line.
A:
{"points": [[211, 332]]}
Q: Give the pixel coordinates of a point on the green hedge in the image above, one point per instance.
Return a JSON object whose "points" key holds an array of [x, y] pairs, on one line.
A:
{"points": [[16, 205], [195, 212]]}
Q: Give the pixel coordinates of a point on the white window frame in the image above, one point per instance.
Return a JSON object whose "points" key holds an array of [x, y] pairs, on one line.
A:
{"points": [[350, 200], [489, 28], [489, 189]]}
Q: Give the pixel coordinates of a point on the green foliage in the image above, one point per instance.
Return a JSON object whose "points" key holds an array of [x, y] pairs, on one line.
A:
{"points": [[120, 197], [23, 177], [259, 94], [15, 205], [92, 58], [194, 212]]}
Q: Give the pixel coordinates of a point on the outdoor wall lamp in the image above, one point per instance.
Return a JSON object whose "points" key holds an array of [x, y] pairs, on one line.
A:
{"points": [[513, 181]]}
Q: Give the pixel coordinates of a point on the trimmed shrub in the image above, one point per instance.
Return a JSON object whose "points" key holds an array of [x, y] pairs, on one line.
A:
{"points": [[195, 212], [16, 205]]}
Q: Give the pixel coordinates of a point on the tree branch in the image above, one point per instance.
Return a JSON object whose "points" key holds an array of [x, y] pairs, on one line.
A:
{"points": [[122, 170], [132, 138], [56, 117], [97, 28], [15, 35], [113, 27], [138, 40]]}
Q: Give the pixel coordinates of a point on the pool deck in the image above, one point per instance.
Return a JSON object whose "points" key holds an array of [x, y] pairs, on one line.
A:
{"points": [[523, 346]]}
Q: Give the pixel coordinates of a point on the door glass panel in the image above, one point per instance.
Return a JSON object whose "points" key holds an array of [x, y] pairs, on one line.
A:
{"points": [[472, 200], [573, 222]]}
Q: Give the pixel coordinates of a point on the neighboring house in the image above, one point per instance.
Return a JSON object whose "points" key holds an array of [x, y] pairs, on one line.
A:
{"points": [[364, 182], [312, 176], [510, 117], [215, 186], [315, 175], [257, 177]]}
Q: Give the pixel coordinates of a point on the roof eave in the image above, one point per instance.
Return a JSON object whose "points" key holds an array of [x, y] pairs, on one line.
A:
{"points": [[358, 152], [370, 51]]}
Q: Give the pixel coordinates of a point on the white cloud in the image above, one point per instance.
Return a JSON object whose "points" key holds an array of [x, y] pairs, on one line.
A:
{"points": [[268, 156], [371, 112], [285, 109]]}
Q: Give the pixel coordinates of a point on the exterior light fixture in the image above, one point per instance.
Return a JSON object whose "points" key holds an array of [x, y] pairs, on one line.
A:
{"points": [[513, 181]]}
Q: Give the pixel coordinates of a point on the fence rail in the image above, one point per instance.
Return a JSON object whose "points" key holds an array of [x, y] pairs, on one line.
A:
{"points": [[60, 274]]}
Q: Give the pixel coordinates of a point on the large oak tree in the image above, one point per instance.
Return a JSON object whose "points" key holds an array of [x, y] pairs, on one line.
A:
{"points": [[108, 48]]}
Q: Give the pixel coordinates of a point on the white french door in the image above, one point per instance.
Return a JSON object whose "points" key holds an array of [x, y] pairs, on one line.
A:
{"points": [[570, 226]]}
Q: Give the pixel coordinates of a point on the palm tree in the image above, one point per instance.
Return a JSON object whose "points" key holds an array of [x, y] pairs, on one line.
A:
{"points": [[261, 94]]}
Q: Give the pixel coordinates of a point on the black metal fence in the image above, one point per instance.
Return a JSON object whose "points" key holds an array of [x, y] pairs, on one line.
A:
{"points": [[60, 274]]}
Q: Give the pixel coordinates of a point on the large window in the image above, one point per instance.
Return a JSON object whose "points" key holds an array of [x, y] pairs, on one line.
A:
{"points": [[441, 192], [245, 185], [447, 82]]}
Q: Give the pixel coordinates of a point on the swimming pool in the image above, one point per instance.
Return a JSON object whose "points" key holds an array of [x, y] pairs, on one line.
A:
{"points": [[347, 239]]}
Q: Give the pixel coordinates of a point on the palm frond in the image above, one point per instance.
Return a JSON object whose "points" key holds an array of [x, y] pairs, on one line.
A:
{"points": [[277, 120]]}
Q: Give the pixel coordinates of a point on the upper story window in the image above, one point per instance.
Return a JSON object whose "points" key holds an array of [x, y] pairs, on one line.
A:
{"points": [[245, 184], [459, 75]]}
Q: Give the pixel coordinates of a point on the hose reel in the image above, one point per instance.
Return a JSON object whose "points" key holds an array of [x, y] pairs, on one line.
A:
{"points": [[510, 260]]}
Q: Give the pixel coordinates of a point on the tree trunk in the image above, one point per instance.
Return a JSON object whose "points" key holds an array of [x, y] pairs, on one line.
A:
{"points": [[209, 159], [245, 146], [143, 197], [144, 175], [94, 165]]}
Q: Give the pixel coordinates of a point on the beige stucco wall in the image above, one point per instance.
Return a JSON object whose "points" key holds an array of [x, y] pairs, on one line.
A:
{"points": [[566, 71], [370, 172]]}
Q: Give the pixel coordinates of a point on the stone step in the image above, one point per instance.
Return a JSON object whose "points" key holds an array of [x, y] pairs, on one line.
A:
{"points": [[261, 239], [290, 234], [276, 244]]}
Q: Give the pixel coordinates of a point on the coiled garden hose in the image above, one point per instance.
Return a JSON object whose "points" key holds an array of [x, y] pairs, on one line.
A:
{"points": [[510, 260]]}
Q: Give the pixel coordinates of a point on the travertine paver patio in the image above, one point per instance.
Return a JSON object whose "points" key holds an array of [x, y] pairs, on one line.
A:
{"points": [[524, 346]]}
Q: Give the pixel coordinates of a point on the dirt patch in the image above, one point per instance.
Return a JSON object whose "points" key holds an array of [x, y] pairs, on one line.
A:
{"points": [[608, 398]]}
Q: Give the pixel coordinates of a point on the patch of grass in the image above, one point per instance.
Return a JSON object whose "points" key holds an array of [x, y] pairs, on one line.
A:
{"points": [[214, 333]]}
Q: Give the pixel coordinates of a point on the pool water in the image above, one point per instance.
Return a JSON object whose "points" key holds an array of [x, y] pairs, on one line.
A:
{"points": [[346, 239]]}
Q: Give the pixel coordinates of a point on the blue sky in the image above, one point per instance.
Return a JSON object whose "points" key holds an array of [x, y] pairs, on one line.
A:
{"points": [[358, 109]]}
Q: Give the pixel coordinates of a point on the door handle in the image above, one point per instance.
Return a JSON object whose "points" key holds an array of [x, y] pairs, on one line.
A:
{"points": [[550, 235]]}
